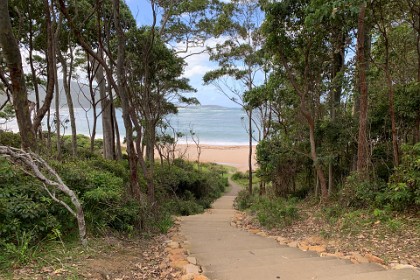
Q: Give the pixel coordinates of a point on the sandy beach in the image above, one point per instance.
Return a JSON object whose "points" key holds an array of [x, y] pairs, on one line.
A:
{"points": [[235, 156]]}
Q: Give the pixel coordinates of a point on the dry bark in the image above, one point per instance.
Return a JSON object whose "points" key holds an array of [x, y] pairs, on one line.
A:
{"points": [[362, 147]]}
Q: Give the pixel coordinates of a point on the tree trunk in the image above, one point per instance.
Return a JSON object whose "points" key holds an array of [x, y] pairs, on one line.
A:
{"points": [[250, 152], [107, 120], [51, 65], [13, 59], [363, 146], [150, 159], [338, 42], [67, 89], [314, 156], [135, 189]]}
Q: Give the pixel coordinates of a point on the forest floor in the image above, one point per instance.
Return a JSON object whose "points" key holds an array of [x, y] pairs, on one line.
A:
{"points": [[360, 236], [105, 258]]}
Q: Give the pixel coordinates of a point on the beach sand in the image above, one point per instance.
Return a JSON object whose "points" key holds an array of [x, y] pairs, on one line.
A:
{"points": [[235, 156]]}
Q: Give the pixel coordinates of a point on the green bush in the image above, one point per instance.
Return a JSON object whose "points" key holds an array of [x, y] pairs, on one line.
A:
{"points": [[244, 200], [10, 139], [403, 189], [275, 212], [239, 175]]}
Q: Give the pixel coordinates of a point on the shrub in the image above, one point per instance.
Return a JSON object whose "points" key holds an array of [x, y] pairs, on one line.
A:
{"points": [[275, 212], [403, 190], [244, 200], [10, 139]]}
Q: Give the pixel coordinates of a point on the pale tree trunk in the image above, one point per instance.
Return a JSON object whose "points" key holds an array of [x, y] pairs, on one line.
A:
{"points": [[121, 87], [40, 169], [67, 89], [13, 59], [51, 65], [56, 28], [250, 151], [363, 145], [107, 120]]}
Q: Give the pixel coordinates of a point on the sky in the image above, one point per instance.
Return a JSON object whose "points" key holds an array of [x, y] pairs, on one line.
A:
{"points": [[197, 65]]}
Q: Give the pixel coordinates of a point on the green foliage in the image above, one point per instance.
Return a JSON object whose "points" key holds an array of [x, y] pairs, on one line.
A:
{"points": [[276, 212], [189, 184], [244, 200], [403, 189], [10, 139]]}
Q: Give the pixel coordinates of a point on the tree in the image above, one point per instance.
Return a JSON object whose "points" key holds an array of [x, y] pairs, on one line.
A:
{"points": [[298, 46], [363, 157], [239, 63], [13, 59]]}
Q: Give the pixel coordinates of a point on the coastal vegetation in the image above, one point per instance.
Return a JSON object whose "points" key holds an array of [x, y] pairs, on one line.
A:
{"points": [[332, 88]]}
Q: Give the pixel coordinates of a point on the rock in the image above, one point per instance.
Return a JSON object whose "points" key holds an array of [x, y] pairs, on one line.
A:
{"points": [[191, 269], [293, 244], [192, 260], [315, 240], [374, 259], [187, 277], [401, 266], [179, 264], [357, 258], [173, 245], [303, 246], [262, 233], [254, 230], [200, 277], [282, 240], [319, 248]]}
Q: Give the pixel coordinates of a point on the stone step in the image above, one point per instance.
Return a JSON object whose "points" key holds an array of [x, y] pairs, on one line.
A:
{"points": [[296, 271], [401, 274], [262, 256]]}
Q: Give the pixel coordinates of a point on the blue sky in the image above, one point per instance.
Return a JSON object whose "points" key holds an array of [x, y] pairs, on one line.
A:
{"points": [[197, 66]]}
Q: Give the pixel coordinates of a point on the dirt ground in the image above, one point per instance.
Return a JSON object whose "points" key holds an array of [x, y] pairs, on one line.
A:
{"points": [[106, 258]]}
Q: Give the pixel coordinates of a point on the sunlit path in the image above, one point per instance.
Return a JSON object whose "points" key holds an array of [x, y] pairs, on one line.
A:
{"points": [[227, 253]]}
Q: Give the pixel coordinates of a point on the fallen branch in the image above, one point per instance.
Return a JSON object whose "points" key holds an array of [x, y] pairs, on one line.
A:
{"points": [[37, 167]]}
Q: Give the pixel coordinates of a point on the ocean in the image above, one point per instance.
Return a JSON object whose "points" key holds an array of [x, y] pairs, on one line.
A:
{"points": [[213, 125]]}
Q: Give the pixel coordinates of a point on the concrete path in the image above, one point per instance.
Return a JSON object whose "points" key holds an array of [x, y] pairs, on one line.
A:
{"points": [[227, 253]]}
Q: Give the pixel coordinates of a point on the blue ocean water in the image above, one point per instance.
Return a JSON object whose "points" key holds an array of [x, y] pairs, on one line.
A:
{"points": [[212, 124]]}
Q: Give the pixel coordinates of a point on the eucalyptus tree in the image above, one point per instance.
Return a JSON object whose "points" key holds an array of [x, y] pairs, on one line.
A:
{"points": [[299, 48], [12, 57], [154, 86], [240, 65], [119, 85]]}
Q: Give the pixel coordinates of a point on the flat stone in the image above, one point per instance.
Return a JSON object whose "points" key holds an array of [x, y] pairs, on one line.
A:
{"points": [[187, 277], [262, 233], [293, 244], [402, 266], [179, 264], [357, 258], [192, 260], [173, 245], [191, 269], [374, 259], [319, 248], [282, 240], [303, 246], [200, 277]]}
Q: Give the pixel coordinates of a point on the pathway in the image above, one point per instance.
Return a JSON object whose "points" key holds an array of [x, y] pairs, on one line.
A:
{"points": [[227, 253]]}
